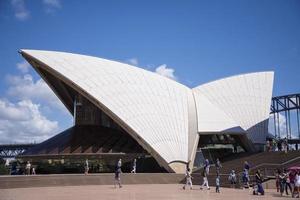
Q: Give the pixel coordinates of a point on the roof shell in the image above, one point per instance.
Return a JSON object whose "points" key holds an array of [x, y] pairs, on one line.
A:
{"points": [[153, 106], [244, 99]]}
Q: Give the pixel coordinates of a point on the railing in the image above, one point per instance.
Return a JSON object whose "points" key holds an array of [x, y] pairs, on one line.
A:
{"points": [[268, 168], [267, 172]]}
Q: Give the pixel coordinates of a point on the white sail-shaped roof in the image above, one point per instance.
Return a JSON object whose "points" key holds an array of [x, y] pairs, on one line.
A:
{"points": [[162, 115], [154, 107], [244, 99]]}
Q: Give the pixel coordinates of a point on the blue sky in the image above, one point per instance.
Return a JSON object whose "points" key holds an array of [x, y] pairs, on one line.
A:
{"points": [[195, 41]]}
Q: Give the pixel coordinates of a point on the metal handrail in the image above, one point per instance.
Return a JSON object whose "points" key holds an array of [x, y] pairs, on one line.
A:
{"points": [[276, 164]]}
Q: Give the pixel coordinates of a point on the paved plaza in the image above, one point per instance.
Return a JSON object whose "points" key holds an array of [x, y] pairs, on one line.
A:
{"points": [[138, 192]]}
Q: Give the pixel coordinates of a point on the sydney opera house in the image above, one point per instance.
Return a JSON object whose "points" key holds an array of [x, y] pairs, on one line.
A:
{"points": [[124, 111]]}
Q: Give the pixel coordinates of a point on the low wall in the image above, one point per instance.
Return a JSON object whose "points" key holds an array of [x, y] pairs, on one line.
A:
{"points": [[23, 181]]}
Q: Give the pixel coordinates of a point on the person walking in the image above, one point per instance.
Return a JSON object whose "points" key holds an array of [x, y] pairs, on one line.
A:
{"points": [[218, 184], [277, 173], [246, 179], [188, 178], [218, 166], [259, 181], [118, 172], [205, 180], [134, 166], [297, 185], [247, 166], [206, 166], [119, 165], [281, 177], [287, 181], [232, 178]]}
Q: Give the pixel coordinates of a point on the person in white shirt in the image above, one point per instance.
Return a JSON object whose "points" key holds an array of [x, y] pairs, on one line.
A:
{"points": [[297, 185], [86, 167], [218, 184], [205, 180], [134, 167], [188, 178], [33, 171], [27, 168]]}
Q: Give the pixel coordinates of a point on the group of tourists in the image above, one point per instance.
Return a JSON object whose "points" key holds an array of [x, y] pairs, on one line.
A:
{"points": [[205, 174], [288, 181], [232, 178], [29, 170], [279, 145]]}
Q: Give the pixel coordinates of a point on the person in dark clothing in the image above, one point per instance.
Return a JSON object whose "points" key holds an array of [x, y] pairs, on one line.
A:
{"points": [[277, 173], [235, 148], [281, 182], [218, 167], [118, 172], [287, 182], [259, 180], [279, 145]]}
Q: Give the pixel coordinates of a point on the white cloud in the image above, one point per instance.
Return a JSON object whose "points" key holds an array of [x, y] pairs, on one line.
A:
{"points": [[21, 12], [133, 61], [22, 122], [23, 66], [165, 71], [51, 5], [25, 88]]}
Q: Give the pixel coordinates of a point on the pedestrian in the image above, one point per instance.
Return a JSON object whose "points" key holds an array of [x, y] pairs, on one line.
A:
{"points": [[286, 144], [247, 166], [279, 145], [119, 165], [274, 144], [206, 166], [246, 179], [268, 146], [235, 148], [259, 180], [287, 182], [86, 167], [218, 184], [232, 178], [33, 171], [134, 166], [27, 168], [188, 178], [218, 167], [281, 182], [205, 180], [118, 177], [297, 185], [277, 173], [118, 172]]}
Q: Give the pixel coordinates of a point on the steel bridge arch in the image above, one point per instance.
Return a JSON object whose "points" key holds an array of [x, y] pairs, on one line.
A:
{"points": [[286, 104]]}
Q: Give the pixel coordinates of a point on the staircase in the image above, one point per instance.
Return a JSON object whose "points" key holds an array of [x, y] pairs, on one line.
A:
{"points": [[267, 162]]}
